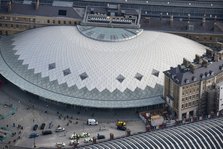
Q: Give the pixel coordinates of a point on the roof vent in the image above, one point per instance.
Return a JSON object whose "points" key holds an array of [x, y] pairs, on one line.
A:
{"points": [[173, 76], [120, 78], [138, 76], [202, 76], [51, 66], [155, 72], [66, 72], [186, 81], [211, 72], [83, 76], [194, 78]]}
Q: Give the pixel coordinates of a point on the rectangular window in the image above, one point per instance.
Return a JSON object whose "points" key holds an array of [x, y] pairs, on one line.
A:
{"points": [[62, 12], [189, 104]]}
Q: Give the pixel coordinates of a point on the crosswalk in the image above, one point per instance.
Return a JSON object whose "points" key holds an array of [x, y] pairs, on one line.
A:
{"points": [[206, 134]]}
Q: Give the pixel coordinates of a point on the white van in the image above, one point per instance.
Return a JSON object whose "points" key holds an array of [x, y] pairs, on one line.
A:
{"points": [[92, 122]]}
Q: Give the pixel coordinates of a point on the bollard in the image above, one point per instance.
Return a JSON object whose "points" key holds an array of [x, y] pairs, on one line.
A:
{"points": [[128, 132], [94, 140], [111, 136]]}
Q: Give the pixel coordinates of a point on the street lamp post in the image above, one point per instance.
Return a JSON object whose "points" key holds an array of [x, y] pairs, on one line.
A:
{"points": [[34, 142]]}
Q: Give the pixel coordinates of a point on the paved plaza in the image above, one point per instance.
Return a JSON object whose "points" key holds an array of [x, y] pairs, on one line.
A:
{"points": [[31, 110]]}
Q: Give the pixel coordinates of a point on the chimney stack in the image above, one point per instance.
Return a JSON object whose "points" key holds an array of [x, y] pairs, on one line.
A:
{"points": [[198, 59], [205, 63], [186, 63], [209, 53], [192, 67], [216, 57]]}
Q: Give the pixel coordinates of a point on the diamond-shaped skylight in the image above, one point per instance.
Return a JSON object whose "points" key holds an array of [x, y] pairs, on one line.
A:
{"points": [[66, 72], [155, 72], [83, 76], [120, 78], [52, 66], [138, 76]]}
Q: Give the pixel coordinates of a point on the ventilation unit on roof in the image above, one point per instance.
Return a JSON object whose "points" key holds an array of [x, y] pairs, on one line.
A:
{"points": [[66, 72], [138, 76], [155, 72], [120, 78], [83, 76], [51, 66]]}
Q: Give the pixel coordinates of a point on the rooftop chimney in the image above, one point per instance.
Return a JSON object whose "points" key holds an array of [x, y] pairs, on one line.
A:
{"points": [[217, 57], [204, 63], [198, 59], [209, 53], [192, 67], [186, 63]]}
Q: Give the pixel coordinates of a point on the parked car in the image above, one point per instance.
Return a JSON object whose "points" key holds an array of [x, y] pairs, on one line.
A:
{"points": [[35, 127], [84, 135], [46, 132], [92, 122], [120, 123], [121, 128], [74, 142], [42, 126], [100, 137], [60, 144], [33, 135], [87, 140], [74, 136], [60, 129]]}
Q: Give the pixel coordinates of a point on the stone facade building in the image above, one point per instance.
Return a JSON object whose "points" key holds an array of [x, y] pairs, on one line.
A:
{"points": [[190, 88]]}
